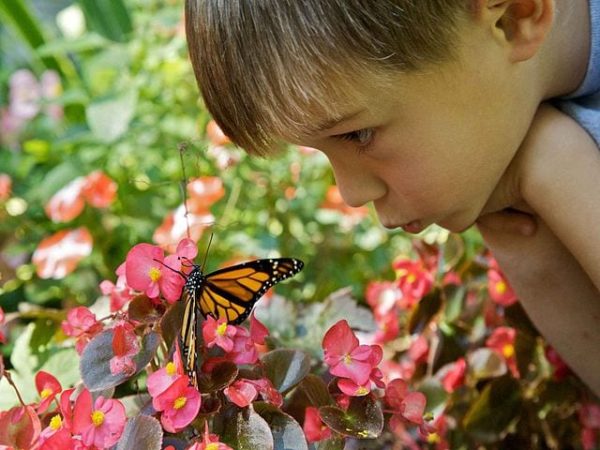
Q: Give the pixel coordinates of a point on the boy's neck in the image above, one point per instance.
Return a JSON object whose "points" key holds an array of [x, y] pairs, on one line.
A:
{"points": [[564, 60]]}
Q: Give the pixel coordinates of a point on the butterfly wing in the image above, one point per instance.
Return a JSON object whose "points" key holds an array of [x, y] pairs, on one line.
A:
{"points": [[187, 335], [232, 292]]}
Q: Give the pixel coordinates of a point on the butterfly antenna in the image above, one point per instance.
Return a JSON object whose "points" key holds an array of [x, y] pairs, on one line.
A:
{"points": [[207, 249], [171, 269]]}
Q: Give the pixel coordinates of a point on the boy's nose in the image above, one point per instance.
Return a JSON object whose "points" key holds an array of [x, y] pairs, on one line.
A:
{"points": [[357, 184]]}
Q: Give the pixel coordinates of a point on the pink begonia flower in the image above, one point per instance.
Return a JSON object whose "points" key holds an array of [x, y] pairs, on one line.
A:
{"points": [[502, 340], [48, 387], [388, 328], [20, 427], [560, 369], [59, 254], [120, 293], [345, 357], [159, 381], [414, 279], [419, 349], [24, 95], [99, 190], [125, 346], [67, 203], [2, 319], [66, 408], [100, 425], [499, 289], [147, 270], [258, 331], [383, 297], [267, 391], [454, 377], [209, 442], [314, 428], [241, 392], [589, 417], [352, 389], [81, 324], [56, 436], [218, 332], [405, 405], [179, 405], [244, 350]]}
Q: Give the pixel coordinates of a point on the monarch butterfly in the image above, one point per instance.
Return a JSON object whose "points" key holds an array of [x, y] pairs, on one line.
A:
{"points": [[228, 293]]}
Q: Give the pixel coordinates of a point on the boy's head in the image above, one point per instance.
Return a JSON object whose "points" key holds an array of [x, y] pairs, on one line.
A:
{"points": [[268, 68], [417, 103]]}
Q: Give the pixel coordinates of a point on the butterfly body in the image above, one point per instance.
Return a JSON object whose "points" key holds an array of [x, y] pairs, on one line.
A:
{"points": [[228, 293]]}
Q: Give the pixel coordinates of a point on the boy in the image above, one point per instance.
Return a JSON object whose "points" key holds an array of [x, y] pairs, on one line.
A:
{"points": [[435, 111]]}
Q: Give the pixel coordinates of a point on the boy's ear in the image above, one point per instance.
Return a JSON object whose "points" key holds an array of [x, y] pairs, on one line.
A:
{"points": [[522, 25]]}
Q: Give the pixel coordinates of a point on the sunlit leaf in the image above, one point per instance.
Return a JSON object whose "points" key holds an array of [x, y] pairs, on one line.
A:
{"points": [[141, 433], [286, 368]]}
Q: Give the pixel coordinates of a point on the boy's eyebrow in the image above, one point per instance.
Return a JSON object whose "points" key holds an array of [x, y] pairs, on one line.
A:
{"points": [[330, 123]]}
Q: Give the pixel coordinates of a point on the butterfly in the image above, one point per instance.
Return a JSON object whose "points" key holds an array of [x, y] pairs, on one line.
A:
{"points": [[229, 293]]}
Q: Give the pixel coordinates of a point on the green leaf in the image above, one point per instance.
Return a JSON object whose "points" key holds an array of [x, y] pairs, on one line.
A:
{"points": [[494, 410], [141, 433], [316, 391], [286, 368], [110, 18], [109, 117], [363, 419], [222, 375], [287, 433], [244, 429], [95, 361]]}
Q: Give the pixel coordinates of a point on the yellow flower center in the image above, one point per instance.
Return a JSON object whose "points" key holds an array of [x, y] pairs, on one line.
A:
{"points": [[362, 391], [411, 278], [221, 329], [348, 359], [170, 369], [97, 418], [154, 274], [46, 393], [501, 287], [508, 350], [212, 446], [179, 402], [433, 438], [56, 422]]}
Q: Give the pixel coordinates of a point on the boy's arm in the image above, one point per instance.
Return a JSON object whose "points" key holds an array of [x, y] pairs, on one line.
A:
{"points": [[555, 269]]}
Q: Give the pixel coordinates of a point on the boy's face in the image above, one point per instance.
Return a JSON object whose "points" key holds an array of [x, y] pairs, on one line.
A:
{"points": [[432, 146]]}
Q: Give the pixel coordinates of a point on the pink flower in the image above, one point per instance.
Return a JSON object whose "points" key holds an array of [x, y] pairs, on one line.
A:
{"points": [[589, 417], [382, 297], [48, 387], [244, 350], [67, 203], [120, 293], [314, 428], [147, 270], [20, 427], [455, 375], [163, 378], [345, 357], [241, 392], [179, 404], [2, 318], [24, 94], [559, 368], [5, 186], [58, 255], [258, 331], [419, 349], [405, 405], [502, 340], [499, 289], [99, 190], [352, 389], [414, 279], [267, 391], [125, 346], [101, 425], [218, 332], [81, 324]]}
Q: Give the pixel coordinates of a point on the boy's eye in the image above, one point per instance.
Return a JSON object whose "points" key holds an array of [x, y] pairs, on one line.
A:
{"points": [[362, 137]]}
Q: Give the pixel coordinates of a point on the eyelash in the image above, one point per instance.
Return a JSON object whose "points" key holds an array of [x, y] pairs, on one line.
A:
{"points": [[358, 137]]}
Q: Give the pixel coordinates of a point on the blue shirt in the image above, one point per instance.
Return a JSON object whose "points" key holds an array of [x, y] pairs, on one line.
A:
{"points": [[583, 105]]}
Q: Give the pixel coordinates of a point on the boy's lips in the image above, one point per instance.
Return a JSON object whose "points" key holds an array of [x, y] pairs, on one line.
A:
{"points": [[416, 226]]}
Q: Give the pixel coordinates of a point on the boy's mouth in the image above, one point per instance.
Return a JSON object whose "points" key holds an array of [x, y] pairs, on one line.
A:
{"points": [[413, 227]]}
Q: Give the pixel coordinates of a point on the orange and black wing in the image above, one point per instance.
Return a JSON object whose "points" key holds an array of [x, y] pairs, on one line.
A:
{"points": [[232, 292]]}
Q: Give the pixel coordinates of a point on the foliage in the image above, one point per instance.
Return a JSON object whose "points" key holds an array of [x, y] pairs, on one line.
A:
{"points": [[382, 340]]}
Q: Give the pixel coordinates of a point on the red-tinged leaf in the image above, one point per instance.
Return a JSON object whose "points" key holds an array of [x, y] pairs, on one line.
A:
{"points": [[141, 309], [95, 361], [316, 390], [491, 414], [287, 433], [363, 419], [221, 376], [243, 429], [286, 368], [19, 427], [141, 433]]}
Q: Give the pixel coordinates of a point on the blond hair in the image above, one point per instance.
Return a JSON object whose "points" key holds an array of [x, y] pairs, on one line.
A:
{"points": [[269, 68]]}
